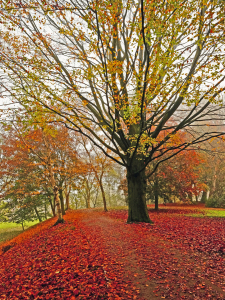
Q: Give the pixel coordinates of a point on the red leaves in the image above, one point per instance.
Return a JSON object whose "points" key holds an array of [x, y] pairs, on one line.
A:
{"points": [[97, 256], [58, 263]]}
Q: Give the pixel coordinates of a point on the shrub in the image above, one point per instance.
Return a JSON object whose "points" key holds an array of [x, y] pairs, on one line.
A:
{"points": [[216, 202]]}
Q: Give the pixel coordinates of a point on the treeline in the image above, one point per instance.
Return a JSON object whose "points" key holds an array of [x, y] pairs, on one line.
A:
{"points": [[45, 171], [194, 175]]}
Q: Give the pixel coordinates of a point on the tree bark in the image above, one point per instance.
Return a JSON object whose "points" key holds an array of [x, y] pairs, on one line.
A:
{"points": [[136, 180], [45, 211], [204, 197], [88, 201], [37, 213], [62, 201], [52, 206], [156, 193], [56, 196], [88, 195], [103, 194], [68, 198], [57, 205]]}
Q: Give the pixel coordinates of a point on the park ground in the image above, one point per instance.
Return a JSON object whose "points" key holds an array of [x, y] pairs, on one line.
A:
{"points": [[97, 255]]}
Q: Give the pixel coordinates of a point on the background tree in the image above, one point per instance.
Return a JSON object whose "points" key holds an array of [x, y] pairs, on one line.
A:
{"points": [[98, 164], [40, 163], [213, 174], [179, 177], [123, 68]]}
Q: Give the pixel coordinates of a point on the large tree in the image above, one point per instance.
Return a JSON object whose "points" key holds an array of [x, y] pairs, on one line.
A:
{"points": [[123, 68]]}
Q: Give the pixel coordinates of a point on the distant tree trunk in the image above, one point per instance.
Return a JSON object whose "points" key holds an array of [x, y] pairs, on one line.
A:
{"points": [[68, 198], [52, 205], [204, 197], [76, 203], [190, 197], [213, 183], [88, 195], [88, 201], [67, 201], [61, 200], [103, 194], [22, 226], [156, 192], [45, 211], [94, 200], [136, 180], [53, 185], [37, 213], [57, 205]]}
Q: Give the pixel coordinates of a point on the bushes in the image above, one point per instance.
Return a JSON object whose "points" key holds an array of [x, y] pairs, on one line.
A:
{"points": [[216, 202]]}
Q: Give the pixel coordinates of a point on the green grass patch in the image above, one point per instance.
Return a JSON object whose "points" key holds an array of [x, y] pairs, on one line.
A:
{"points": [[117, 207], [9, 230], [209, 213]]}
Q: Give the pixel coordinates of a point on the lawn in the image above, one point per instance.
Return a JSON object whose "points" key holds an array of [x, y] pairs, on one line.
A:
{"points": [[10, 230], [96, 255], [210, 212]]}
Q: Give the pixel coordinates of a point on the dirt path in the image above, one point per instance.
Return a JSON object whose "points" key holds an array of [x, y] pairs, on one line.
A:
{"points": [[148, 262], [121, 250]]}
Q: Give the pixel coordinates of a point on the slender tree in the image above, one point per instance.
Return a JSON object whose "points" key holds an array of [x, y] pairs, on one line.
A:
{"points": [[122, 68], [98, 164]]}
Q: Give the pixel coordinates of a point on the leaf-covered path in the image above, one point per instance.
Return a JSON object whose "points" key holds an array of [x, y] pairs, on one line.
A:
{"points": [[96, 255]]}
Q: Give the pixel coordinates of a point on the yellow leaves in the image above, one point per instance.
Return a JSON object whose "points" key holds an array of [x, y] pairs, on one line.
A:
{"points": [[144, 142], [115, 66], [85, 103]]}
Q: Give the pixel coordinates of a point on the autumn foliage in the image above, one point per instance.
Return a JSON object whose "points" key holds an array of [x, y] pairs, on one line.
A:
{"points": [[120, 77], [40, 162]]}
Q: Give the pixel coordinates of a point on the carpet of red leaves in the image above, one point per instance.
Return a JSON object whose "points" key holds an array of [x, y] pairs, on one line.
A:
{"points": [[96, 255]]}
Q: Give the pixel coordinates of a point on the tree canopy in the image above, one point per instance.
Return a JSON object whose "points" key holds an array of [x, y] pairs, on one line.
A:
{"points": [[136, 71]]}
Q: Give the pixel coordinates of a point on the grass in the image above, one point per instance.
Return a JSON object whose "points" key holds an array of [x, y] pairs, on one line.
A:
{"points": [[10, 230], [210, 212], [117, 207]]}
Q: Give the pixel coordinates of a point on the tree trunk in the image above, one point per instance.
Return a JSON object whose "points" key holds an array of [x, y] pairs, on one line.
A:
{"points": [[156, 193], [88, 201], [52, 206], [137, 211], [213, 188], [61, 200], [57, 205], [204, 197], [88, 195], [22, 226], [45, 211], [103, 194], [190, 197], [68, 198], [37, 213]]}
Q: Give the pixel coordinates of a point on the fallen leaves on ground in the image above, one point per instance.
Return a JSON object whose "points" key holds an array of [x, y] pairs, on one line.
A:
{"points": [[96, 255]]}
